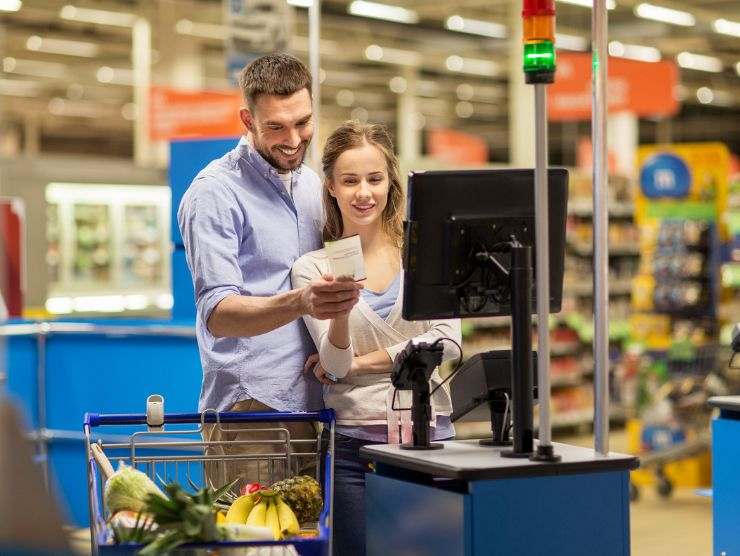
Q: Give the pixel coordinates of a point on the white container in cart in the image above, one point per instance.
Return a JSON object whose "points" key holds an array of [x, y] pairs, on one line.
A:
{"points": [[178, 453]]}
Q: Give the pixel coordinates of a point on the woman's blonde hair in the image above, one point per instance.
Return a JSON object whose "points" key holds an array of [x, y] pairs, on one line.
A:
{"points": [[351, 135]]}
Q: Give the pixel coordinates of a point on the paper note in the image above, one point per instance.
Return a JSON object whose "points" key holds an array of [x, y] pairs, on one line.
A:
{"points": [[345, 258]]}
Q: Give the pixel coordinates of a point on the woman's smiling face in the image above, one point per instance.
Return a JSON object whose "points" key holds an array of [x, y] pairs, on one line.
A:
{"points": [[360, 185]]}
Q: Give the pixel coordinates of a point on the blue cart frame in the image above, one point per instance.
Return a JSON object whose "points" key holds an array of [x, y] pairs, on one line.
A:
{"points": [[193, 452]]}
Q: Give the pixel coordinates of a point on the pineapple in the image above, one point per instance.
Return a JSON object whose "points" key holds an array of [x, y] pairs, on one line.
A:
{"points": [[303, 495]]}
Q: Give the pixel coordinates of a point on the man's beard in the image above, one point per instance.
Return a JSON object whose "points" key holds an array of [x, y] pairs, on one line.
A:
{"points": [[267, 155]]}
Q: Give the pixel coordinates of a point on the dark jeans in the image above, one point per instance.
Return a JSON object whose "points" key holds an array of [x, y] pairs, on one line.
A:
{"points": [[349, 496]]}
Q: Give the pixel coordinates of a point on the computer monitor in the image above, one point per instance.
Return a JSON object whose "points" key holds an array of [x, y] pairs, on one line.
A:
{"points": [[454, 216]]}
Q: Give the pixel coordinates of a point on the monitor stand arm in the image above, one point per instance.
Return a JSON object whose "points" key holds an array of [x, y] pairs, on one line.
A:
{"points": [[521, 351]]}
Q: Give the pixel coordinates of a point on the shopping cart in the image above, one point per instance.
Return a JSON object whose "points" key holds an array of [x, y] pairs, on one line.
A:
{"points": [[178, 452], [678, 421]]}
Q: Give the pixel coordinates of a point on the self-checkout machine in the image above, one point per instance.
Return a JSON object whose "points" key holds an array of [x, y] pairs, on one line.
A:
{"points": [[468, 253]]}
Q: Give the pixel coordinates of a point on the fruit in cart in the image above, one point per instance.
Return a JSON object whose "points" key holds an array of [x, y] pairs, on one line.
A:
{"points": [[127, 489], [258, 514], [303, 495], [242, 532], [251, 488], [182, 517], [273, 521], [289, 525], [240, 509]]}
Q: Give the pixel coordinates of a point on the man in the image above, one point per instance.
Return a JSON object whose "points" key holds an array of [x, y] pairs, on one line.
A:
{"points": [[244, 220]]}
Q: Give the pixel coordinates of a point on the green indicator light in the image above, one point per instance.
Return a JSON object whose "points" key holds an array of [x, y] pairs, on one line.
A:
{"points": [[539, 56]]}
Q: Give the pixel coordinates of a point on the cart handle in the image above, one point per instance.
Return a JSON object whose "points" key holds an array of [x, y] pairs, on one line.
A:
{"points": [[325, 416]]}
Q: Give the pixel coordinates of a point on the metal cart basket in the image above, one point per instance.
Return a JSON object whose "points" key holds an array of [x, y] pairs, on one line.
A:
{"points": [[177, 452]]}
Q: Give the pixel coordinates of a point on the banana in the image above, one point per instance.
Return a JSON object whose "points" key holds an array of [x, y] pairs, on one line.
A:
{"points": [[240, 509], [288, 521], [272, 520], [257, 515]]}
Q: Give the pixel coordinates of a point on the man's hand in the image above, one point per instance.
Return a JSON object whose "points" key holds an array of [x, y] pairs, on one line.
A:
{"points": [[329, 297], [313, 364]]}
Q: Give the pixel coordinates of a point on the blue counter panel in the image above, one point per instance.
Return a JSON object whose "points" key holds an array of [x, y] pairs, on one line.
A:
{"points": [[582, 514], [726, 483], [21, 358], [187, 158], [115, 375], [101, 373], [437, 520]]}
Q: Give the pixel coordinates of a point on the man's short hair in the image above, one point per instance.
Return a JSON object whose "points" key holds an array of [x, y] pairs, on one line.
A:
{"points": [[274, 74]]}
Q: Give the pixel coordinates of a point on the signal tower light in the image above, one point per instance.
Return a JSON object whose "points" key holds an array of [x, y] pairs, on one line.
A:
{"points": [[538, 23]]}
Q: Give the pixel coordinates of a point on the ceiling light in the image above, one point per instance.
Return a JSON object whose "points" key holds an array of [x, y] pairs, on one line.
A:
{"points": [[465, 91], [387, 12], [476, 27], [570, 42], [398, 84], [117, 76], [128, 111], [699, 62], [726, 27], [10, 5], [301, 3], [705, 95], [665, 15], [36, 68], [345, 98], [359, 114], [19, 88], [634, 52], [101, 17], [610, 4], [62, 46], [378, 53], [203, 30], [464, 109], [473, 66]]}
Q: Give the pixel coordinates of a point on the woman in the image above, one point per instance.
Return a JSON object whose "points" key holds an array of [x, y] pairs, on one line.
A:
{"points": [[363, 196]]}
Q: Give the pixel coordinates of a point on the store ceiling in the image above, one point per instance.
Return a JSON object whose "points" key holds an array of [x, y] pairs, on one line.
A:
{"points": [[77, 100]]}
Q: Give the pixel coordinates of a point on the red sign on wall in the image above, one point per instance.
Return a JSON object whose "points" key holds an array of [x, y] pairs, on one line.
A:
{"points": [[456, 147], [180, 114], [643, 88], [12, 219]]}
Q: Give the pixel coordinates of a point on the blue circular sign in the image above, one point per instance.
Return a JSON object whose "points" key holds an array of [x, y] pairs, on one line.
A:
{"points": [[665, 175]]}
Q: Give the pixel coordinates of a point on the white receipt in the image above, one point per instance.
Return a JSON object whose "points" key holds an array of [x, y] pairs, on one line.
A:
{"points": [[345, 258]]}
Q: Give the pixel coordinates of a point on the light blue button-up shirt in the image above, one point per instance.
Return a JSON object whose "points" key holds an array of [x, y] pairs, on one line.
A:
{"points": [[242, 232]]}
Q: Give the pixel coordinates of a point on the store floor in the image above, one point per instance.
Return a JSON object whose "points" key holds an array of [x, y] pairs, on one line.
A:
{"points": [[679, 526]]}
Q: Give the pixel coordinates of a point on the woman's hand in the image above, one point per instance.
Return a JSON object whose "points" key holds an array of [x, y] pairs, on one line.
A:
{"points": [[313, 364]]}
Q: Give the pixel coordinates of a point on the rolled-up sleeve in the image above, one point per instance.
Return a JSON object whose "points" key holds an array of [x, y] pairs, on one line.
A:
{"points": [[211, 225], [337, 361], [438, 329]]}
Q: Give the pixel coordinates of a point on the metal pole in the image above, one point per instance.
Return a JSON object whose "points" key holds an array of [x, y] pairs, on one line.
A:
{"points": [[141, 59], [599, 26], [314, 60], [542, 273]]}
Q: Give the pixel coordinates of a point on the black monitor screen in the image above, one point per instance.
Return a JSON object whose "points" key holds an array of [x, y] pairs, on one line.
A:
{"points": [[456, 217]]}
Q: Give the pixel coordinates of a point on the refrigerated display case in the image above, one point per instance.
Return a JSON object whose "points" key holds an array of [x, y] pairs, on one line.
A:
{"points": [[108, 248]]}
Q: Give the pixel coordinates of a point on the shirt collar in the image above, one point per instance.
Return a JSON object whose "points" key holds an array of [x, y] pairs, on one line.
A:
{"points": [[247, 151]]}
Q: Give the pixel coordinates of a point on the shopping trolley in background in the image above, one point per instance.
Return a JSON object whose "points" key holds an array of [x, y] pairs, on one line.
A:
{"points": [[677, 421], [174, 451]]}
